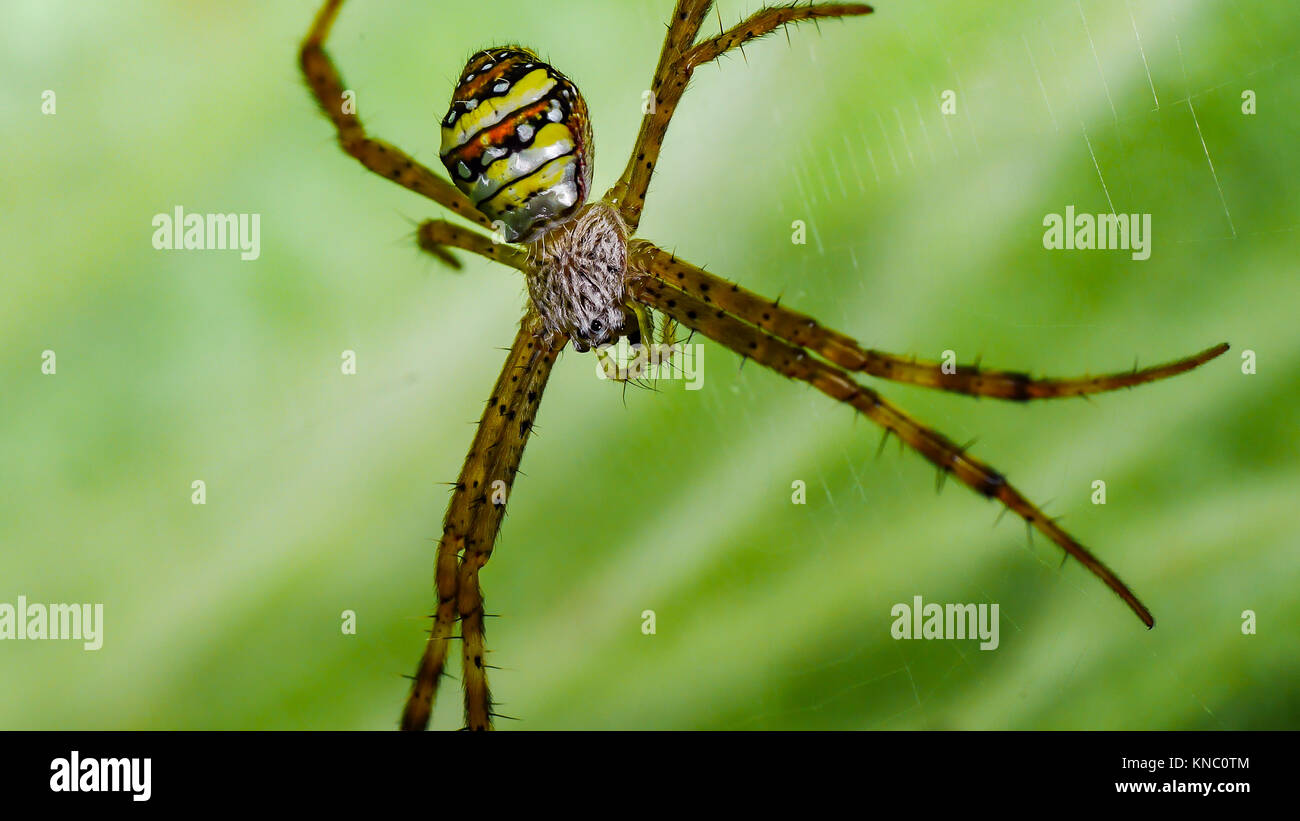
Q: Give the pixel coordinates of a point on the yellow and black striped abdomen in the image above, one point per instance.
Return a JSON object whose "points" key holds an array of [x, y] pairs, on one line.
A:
{"points": [[517, 142]]}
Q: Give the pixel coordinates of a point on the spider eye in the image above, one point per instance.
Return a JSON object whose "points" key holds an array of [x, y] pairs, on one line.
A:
{"points": [[520, 129], [596, 327]]}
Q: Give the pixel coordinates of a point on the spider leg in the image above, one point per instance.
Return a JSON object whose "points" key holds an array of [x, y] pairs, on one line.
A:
{"points": [[643, 319], [436, 236], [518, 405], [666, 89], [474, 517], [380, 157], [805, 332], [460, 516], [433, 663], [765, 21], [796, 363], [677, 60]]}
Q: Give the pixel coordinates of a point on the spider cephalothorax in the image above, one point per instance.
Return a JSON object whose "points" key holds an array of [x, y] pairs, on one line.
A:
{"points": [[517, 142], [576, 277]]}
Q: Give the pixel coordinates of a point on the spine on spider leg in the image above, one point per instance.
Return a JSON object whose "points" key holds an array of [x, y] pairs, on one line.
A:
{"points": [[767, 20], [478, 697], [464, 512], [805, 332], [795, 363], [518, 407]]}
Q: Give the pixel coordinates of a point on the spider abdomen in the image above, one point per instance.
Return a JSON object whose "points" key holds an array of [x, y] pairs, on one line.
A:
{"points": [[517, 142]]}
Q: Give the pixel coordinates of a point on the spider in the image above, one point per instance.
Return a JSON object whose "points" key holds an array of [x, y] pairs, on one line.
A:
{"points": [[517, 143]]}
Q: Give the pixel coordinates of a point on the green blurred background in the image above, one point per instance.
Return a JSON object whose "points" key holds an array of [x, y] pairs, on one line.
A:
{"points": [[924, 234]]}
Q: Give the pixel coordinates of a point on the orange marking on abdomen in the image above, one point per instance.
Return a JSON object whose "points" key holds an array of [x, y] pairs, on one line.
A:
{"points": [[496, 135]]}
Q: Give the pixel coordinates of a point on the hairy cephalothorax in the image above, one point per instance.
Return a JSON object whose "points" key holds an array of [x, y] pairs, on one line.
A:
{"points": [[517, 142], [576, 276]]}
